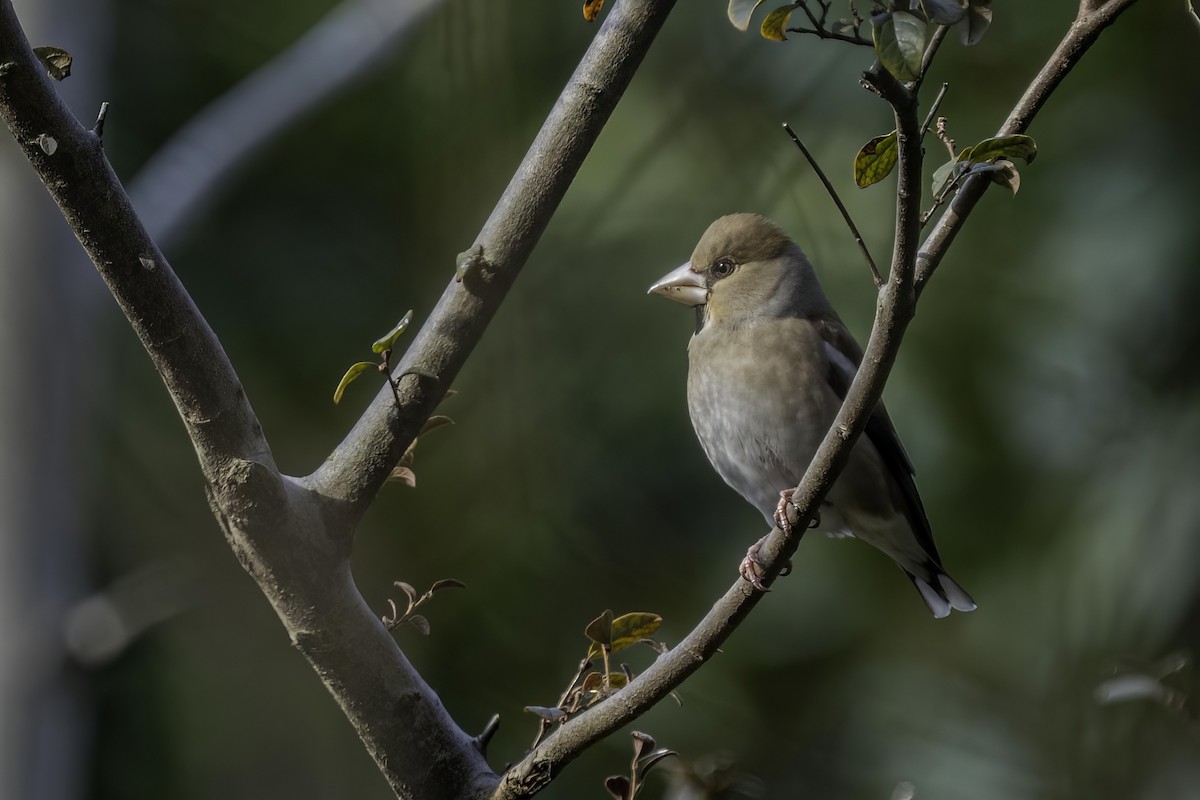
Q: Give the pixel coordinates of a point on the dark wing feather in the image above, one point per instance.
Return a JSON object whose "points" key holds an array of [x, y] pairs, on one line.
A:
{"points": [[881, 433]]}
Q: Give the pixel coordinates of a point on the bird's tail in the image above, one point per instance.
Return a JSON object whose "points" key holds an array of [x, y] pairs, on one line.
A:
{"points": [[940, 592]]}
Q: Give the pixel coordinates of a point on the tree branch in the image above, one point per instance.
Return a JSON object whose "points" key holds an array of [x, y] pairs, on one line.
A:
{"points": [[184, 349], [897, 307], [360, 464], [181, 177], [293, 536], [1091, 21]]}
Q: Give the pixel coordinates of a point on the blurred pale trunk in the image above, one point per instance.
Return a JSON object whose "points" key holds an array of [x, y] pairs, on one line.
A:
{"points": [[48, 300]]}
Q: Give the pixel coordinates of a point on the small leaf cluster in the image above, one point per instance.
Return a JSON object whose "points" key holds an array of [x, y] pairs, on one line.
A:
{"points": [[645, 757], [607, 635], [899, 28], [410, 615], [381, 347]]}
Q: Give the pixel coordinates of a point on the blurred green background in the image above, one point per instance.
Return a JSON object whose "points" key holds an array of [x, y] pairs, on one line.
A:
{"points": [[1048, 393]]}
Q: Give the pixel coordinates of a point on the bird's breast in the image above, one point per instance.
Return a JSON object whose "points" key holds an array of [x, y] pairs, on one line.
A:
{"points": [[760, 401]]}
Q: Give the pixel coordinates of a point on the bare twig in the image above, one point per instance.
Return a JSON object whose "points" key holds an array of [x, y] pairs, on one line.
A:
{"points": [[933, 107], [838, 202]]}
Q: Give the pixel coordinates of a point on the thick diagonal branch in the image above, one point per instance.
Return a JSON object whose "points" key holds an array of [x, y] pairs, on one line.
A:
{"points": [[360, 464]]}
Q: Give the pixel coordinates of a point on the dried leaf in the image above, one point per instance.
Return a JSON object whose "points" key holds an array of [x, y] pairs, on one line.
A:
{"points": [[56, 61], [408, 590], [434, 422], [404, 475], [652, 759], [618, 786], [600, 629], [642, 744], [591, 9]]}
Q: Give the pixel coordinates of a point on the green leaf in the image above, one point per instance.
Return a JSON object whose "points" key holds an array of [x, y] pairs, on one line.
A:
{"points": [[600, 629], [946, 173], [352, 373], [972, 27], [899, 43], [944, 12], [56, 61], [386, 341], [875, 160], [1011, 147], [774, 26], [628, 629], [740, 12]]}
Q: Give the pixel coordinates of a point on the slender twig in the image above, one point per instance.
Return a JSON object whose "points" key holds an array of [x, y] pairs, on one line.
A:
{"points": [[935, 42], [933, 108], [98, 128], [838, 202]]}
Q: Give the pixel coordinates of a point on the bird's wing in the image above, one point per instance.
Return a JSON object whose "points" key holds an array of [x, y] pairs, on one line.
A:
{"points": [[844, 357]]}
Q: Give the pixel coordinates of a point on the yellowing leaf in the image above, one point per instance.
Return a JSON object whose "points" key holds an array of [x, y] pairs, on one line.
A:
{"points": [[629, 629], [591, 9], [774, 26], [352, 373], [875, 160]]}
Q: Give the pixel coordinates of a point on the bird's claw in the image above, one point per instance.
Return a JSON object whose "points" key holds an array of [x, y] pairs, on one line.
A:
{"points": [[781, 515], [753, 570]]}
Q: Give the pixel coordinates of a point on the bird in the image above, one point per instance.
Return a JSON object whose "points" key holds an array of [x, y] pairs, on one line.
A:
{"points": [[768, 367]]}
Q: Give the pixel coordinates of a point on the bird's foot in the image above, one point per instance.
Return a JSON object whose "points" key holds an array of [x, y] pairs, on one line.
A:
{"points": [[753, 570], [781, 511]]}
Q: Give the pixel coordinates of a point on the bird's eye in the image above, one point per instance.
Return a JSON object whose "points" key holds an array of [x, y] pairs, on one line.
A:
{"points": [[723, 267]]}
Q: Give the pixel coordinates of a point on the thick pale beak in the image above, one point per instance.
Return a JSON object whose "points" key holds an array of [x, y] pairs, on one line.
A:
{"points": [[683, 285]]}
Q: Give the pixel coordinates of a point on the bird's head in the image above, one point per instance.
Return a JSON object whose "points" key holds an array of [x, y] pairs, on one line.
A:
{"points": [[744, 268]]}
